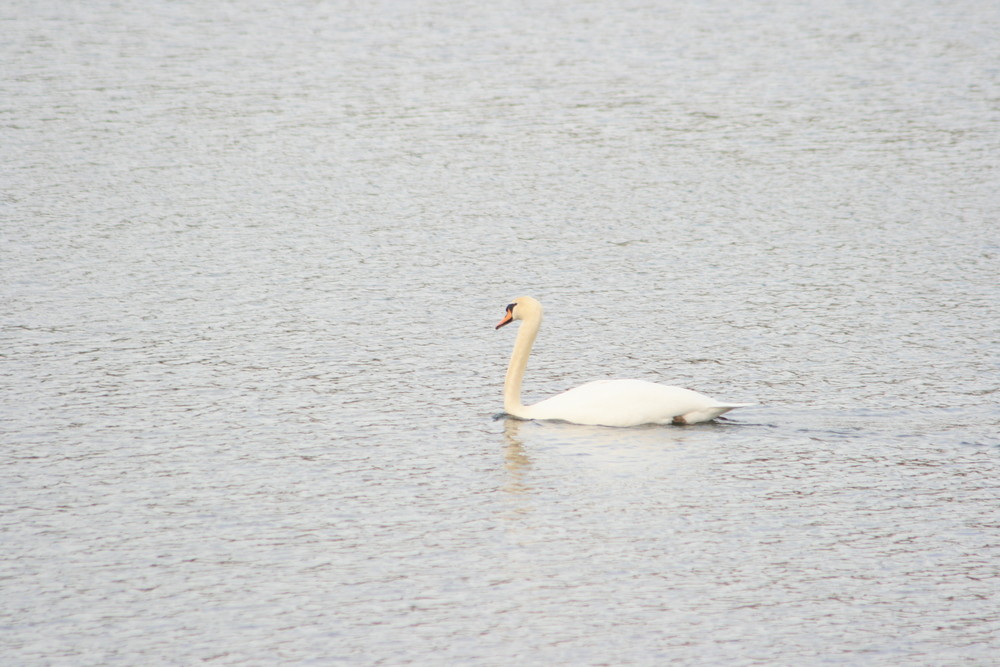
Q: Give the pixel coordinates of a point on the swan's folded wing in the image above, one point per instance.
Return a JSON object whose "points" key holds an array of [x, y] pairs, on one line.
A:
{"points": [[626, 403]]}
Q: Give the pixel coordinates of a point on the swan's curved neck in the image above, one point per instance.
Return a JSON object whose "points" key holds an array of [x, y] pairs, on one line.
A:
{"points": [[518, 363]]}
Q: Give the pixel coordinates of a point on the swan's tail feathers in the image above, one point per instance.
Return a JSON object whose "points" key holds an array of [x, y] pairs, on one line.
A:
{"points": [[708, 414]]}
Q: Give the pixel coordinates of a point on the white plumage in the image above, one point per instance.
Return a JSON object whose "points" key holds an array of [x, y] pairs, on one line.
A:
{"points": [[603, 402]]}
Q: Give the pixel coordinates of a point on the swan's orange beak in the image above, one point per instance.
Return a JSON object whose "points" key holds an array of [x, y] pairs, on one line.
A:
{"points": [[507, 319]]}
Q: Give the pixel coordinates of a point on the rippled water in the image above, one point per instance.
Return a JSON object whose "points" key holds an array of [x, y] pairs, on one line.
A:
{"points": [[252, 254]]}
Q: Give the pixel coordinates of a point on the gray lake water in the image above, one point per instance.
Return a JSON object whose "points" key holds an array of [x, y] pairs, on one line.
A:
{"points": [[251, 258]]}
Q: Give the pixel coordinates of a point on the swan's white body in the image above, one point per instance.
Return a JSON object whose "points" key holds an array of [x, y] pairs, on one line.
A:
{"points": [[603, 402]]}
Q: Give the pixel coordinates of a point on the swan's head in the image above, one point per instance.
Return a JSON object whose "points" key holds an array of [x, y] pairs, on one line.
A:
{"points": [[522, 308]]}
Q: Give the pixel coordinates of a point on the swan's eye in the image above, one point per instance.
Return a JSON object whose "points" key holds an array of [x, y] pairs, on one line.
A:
{"points": [[510, 307]]}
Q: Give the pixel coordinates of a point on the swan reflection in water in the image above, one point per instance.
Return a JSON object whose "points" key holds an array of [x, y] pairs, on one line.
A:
{"points": [[603, 402], [516, 460], [528, 444]]}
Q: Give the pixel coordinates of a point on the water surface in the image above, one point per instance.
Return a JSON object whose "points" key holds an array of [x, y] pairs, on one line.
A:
{"points": [[252, 255]]}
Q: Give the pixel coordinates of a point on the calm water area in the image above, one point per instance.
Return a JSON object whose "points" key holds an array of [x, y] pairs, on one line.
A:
{"points": [[251, 258]]}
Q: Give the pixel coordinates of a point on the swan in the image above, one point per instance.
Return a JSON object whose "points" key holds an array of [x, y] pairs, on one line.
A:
{"points": [[602, 402]]}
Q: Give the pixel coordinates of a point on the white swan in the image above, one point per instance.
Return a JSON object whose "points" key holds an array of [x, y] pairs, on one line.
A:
{"points": [[603, 402]]}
